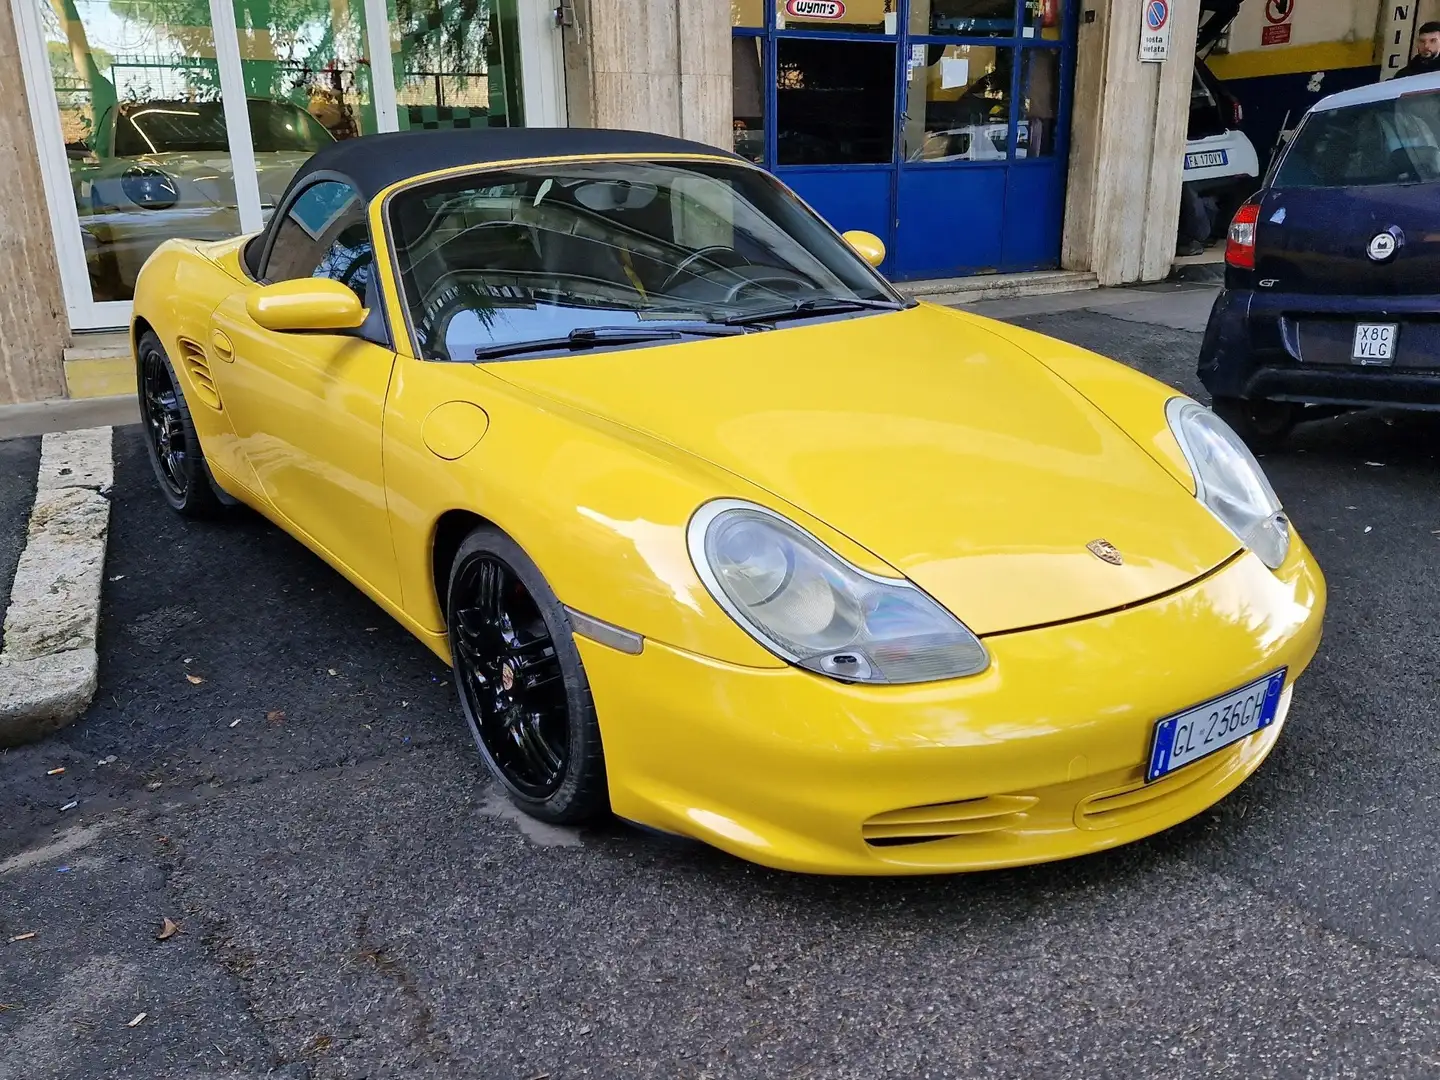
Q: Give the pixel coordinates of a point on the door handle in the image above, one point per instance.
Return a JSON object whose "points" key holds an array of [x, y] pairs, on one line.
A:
{"points": [[222, 346]]}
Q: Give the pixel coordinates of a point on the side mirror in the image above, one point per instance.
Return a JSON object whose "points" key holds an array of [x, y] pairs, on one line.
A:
{"points": [[870, 246], [314, 304]]}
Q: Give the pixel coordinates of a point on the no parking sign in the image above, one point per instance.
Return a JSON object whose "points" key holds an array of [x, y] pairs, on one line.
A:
{"points": [[1155, 31]]}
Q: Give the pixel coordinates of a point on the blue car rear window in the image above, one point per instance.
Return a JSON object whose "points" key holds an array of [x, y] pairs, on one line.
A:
{"points": [[1380, 142]]}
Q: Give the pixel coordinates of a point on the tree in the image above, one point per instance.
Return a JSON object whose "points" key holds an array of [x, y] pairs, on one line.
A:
{"points": [[298, 50], [62, 62], [83, 58], [277, 37], [444, 36]]}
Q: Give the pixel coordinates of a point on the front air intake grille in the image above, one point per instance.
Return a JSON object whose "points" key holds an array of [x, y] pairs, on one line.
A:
{"points": [[1137, 801], [942, 821], [197, 366]]}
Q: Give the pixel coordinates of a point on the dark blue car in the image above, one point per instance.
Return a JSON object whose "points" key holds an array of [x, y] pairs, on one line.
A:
{"points": [[1332, 278]]}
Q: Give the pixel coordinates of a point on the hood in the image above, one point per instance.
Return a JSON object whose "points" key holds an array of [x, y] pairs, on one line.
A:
{"points": [[943, 449]]}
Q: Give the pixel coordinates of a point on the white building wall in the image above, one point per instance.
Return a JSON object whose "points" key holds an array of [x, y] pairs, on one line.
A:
{"points": [[1313, 22]]}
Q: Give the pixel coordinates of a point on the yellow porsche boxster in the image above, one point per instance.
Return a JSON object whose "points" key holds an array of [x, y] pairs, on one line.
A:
{"points": [[719, 532]]}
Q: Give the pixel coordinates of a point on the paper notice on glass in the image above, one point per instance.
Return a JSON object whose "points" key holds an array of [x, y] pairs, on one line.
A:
{"points": [[890, 23], [954, 71]]}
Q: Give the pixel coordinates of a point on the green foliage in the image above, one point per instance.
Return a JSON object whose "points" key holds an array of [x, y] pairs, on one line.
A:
{"points": [[459, 44]]}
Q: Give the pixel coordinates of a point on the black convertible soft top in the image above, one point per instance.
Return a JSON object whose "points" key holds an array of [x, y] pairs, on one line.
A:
{"points": [[374, 162]]}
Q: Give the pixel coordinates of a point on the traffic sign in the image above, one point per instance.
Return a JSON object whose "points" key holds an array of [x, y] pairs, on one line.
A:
{"points": [[1155, 31], [1279, 11]]}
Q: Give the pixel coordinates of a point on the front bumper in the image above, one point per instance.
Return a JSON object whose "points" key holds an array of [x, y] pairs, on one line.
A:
{"points": [[1044, 751], [1289, 347]]}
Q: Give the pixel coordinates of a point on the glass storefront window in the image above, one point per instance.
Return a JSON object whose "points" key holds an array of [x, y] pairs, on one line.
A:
{"points": [[963, 18], [1043, 19], [959, 103], [1039, 102], [835, 102], [147, 94], [747, 13], [307, 83], [457, 63], [138, 94], [748, 63], [840, 16]]}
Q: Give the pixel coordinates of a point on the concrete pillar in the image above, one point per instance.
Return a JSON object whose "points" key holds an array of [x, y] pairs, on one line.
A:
{"points": [[34, 329], [651, 65], [1128, 139], [707, 83]]}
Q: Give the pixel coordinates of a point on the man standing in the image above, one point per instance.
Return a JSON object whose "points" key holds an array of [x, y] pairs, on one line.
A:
{"points": [[1427, 57]]}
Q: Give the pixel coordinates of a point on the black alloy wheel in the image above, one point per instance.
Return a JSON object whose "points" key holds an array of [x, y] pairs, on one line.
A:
{"points": [[174, 447], [522, 688]]}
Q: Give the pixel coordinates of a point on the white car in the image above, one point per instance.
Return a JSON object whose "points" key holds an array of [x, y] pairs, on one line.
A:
{"points": [[1229, 155], [975, 142], [1219, 158], [161, 169]]}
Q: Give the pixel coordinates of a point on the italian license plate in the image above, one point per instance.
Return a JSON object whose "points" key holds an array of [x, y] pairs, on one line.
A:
{"points": [[1374, 342], [1206, 159], [1200, 731]]}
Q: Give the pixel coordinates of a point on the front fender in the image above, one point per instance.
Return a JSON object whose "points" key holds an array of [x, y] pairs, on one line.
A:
{"points": [[600, 509], [176, 293]]}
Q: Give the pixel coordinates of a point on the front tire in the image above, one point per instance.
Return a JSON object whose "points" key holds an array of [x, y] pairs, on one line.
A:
{"points": [[1263, 425], [522, 687], [173, 446]]}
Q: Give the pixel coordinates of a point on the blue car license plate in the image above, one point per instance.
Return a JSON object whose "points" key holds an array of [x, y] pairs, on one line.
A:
{"points": [[1374, 343], [1198, 732], [1206, 159]]}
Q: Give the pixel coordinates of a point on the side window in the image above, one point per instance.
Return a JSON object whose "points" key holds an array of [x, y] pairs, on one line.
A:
{"points": [[324, 234]]}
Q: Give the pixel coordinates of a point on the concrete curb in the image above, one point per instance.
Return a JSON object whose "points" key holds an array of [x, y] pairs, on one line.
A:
{"points": [[67, 414], [955, 292], [48, 669]]}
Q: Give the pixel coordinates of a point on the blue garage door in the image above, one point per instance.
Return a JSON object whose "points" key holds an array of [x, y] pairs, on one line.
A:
{"points": [[939, 125]]}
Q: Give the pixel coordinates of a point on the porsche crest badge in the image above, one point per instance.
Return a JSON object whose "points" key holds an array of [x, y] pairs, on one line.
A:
{"points": [[1105, 552]]}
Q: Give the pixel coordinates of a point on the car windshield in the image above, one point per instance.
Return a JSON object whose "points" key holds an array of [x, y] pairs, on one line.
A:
{"points": [[179, 127], [1380, 142], [538, 253]]}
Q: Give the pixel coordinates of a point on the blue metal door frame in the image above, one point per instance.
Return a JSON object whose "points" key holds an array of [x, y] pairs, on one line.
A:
{"points": [[1029, 191]]}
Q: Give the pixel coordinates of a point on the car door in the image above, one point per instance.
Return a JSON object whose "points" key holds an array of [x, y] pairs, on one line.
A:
{"points": [[307, 407]]}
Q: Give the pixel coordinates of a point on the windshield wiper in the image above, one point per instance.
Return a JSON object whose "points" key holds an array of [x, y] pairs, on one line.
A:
{"points": [[592, 337], [815, 305]]}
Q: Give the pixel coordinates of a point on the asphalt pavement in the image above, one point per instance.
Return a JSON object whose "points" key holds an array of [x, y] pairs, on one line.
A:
{"points": [[292, 785], [19, 461]]}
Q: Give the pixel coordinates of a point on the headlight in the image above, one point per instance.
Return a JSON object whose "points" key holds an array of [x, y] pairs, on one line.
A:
{"points": [[1230, 481], [149, 188], [809, 606]]}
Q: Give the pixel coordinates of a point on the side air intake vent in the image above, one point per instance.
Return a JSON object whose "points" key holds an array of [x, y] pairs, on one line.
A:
{"points": [[197, 366]]}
